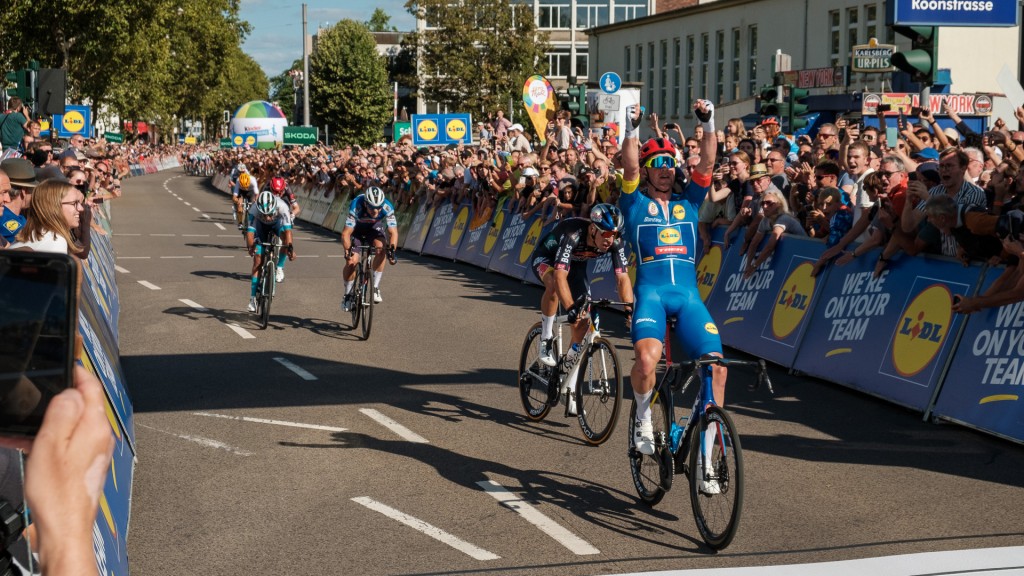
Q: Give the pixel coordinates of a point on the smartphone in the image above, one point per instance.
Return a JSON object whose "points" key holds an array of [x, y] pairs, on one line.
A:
{"points": [[37, 335], [892, 134], [915, 110]]}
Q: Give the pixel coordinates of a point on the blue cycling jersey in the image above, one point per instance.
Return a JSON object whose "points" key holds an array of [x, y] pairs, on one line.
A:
{"points": [[359, 215]]}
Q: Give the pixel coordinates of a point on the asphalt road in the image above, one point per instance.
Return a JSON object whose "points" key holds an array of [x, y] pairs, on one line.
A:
{"points": [[392, 456]]}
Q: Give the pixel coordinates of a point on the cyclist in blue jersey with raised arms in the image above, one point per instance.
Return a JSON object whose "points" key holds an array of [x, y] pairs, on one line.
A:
{"points": [[268, 214], [370, 217], [661, 226]]}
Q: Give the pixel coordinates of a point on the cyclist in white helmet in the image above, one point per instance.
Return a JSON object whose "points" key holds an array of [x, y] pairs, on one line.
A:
{"points": [[371, 219], [268, 214]]}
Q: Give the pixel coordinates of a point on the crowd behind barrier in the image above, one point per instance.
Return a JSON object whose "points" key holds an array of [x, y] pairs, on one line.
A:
{"points": [[93, 171], [867, 284]]}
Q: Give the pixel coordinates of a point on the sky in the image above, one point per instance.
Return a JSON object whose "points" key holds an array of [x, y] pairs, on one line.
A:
{"points": [[276, 38]]}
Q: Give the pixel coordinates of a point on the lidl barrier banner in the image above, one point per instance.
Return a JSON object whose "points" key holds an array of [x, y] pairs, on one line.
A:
{"points": [[419, 228], [403, 219], [528, 275], [518, 239], [887, 336], [765, 314], [450, 223], [985, 382], [472, 249]]}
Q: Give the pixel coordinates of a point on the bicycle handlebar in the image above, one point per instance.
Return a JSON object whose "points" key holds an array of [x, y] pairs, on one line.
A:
{"points": [[759, 365]]}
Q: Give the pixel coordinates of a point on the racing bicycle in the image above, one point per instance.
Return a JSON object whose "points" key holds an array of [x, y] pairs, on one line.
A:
{"points": [[266, 279], [593, 384], [362, 290], [703, 446]]}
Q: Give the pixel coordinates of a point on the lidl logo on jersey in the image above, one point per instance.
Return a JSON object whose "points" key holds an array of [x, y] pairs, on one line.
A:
{"points": [[669, 239], [922, 330], [791, 304], [669, 236], [679, 212]]}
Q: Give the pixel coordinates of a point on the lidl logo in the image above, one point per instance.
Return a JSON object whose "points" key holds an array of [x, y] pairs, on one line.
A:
{"points": [[492, 235], [679, 212], [669, 236], [460, 226], [708, 269], [922, 330], [73, 121], [426, 224], [710, 328], [794, 297], [427, 130], [238, 140], [530, 242], [250, 140], [12, 225], [456, 129]]}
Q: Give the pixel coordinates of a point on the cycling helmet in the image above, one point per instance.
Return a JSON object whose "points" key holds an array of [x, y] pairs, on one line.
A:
{"points": [[244, 180], [374, 197], [607, 217], [656, 146], [277, 184], [242, 168], [266, 204]]}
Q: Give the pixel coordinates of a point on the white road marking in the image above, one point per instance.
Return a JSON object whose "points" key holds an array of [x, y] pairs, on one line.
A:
{"points": [[175, 257], [133, 257], [241, 332], [188, 203], [335, 255], [164, 235], [434, 532], [395, 427], [125, 234], [121, 270], [218, 256], [195, 235], [203, 441], [226, 235], [217, 224], [991, 561], [274, 422], [294, 368], [574, 543], [192, 304], [149, 285], [207, 216], [196, 209], [307, 255]]}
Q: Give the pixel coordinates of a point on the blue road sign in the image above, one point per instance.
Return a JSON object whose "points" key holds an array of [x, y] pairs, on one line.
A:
{"points": [[952, 13], [610, 82]]}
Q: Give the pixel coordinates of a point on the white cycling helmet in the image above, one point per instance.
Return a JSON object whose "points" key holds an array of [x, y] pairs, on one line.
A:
{"points": [[242, 168], [374, 197], [266, 204]]}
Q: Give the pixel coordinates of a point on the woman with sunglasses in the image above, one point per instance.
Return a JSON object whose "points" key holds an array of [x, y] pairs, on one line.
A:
{"points": [[776, 222], [662, 229]]}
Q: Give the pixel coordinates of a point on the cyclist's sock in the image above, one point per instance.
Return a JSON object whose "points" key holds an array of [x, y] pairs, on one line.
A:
{"points": [[348, 287], [252, 289], [376, 279], [643, 404], [709, 443], [547, 327], [282, 259]]}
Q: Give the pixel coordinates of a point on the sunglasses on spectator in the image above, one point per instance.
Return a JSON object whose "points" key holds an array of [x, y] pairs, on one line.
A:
{"points": [[1018, 142], [825, 135], [661, 162]]}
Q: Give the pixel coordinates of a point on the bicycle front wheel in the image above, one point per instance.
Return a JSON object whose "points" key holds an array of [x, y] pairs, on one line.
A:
{"points": [[366, 319], [716, 478], [267, 292], [534, 377], [355, 306], [652, 474], [599, 392]]}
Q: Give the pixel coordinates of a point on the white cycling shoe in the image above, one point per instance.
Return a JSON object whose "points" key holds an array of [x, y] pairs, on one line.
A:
{"points": [[280, 274], [643, 437], [252, 305]]}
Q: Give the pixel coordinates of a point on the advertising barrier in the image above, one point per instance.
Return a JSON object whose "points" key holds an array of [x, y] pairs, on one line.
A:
{"points": [[446, 230], [419, 228], [518, 239], [471, 250]]}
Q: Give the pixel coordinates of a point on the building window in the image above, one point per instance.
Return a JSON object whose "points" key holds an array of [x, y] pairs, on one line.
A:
{"points": [[691, 67], [663, 81], [558, 62], [852, 27], [639, 63], [650, 73], [553, 14], [591, 13], [752, 54], [677, 65], [834, 38], [629, 62], [735, 63], [705, 54], [719, 65], [871, 22], [630, 9], [582, 63]]}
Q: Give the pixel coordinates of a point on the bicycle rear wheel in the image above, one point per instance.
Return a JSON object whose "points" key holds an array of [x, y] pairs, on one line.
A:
{"points": [[599, 392], [652, 475], [716, 490], [266, 286], [534, 377], [366, 294]]}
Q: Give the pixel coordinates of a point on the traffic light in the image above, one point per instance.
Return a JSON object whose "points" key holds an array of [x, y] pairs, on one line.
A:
{"points": [[796, 107], [578, 105], [768, 97], [922, 60]]}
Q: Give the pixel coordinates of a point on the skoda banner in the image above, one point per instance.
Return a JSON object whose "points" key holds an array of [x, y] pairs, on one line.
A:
{"points": [[300, 135]]}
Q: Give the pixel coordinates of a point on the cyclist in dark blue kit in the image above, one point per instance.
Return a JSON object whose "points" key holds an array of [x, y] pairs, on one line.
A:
{"points": [[661, 226], [371, 220]]}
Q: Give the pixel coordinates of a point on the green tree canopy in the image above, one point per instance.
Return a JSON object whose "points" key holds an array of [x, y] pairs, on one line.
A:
{"points": [[476, 54], [348, 84], [380, 21]]}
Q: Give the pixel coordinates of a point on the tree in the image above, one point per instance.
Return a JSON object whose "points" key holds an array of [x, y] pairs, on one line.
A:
{"points": [[348, 87], [380, 21], [475, 55]]}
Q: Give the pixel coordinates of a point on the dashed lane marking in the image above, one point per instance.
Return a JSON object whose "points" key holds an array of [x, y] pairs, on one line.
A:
{"points": [[195, 235], [192, 304], [428, 529], [121, 270], [274, 422], [241, 332], [203, 441], [149, 285], [305, 375], [395, 427], [217, 224], [574, 543], [134, 257], [175, 257]]}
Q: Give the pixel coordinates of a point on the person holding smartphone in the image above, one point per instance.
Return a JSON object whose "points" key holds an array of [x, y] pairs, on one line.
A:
{"points": [[14, 123]]}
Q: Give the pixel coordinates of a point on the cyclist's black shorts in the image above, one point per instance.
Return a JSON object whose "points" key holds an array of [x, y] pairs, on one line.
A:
{"points": [[579, 284]]}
